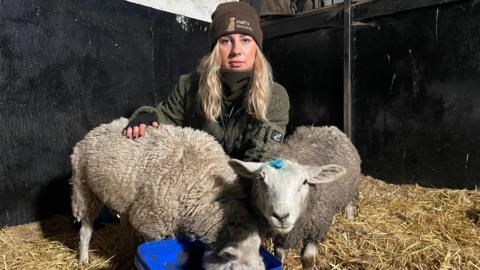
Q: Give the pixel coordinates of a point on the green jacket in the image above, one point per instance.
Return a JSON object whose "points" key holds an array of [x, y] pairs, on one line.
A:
{"points": [[242, 136]]}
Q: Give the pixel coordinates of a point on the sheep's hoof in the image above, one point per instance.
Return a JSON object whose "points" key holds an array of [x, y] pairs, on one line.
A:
{"points": [[309, 253], [82, 264], [349, 212], [280, 254], [307, 263], [83, 260]]}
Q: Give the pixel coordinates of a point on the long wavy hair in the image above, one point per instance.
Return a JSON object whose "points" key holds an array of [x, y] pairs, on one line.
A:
{"points": [[210, 87]]}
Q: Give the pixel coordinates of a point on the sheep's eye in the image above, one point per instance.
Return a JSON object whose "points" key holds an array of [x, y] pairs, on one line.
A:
{"points": [[305, 182]]}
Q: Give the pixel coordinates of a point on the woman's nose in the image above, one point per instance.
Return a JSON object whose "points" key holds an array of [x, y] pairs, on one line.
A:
{"points": [[236, 48]]}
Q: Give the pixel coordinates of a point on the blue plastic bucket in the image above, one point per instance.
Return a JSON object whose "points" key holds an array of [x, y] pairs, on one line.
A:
{"points": [[170, 255]]}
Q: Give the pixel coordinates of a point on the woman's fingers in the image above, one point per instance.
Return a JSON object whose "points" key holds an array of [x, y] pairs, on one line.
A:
{"points": [[137, 131], [141, 130], [128, 132]]}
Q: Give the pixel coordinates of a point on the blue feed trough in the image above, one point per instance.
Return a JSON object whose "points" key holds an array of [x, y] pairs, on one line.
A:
{"points": [[169, 255]]}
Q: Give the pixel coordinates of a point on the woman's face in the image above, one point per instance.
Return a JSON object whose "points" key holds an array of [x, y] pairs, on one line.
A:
{"points": [[237, 51]]}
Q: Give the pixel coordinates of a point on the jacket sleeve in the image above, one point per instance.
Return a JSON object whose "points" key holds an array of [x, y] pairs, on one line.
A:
{"points": [[270, 134], [171, 111]]}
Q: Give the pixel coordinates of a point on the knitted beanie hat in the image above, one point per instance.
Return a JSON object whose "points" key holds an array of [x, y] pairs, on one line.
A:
{"points": [[235, 17]]}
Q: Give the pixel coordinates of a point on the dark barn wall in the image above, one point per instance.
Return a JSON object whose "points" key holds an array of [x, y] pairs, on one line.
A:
{"points": [[415, 84], [67, 66], [306, 54], [309, 65], [416, 95]]}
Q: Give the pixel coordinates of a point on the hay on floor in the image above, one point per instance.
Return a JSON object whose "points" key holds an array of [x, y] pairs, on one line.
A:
{"points": [[53, 244], [396, 227], [406, 227]]}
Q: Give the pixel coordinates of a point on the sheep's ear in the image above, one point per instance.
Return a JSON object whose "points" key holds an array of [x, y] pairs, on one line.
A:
{"points": [[325, 174], [229, 253], [246, 169]]}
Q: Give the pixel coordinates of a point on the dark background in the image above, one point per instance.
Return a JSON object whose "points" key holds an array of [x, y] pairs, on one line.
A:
{"points": [[416, 95], [310, 66], [415, 84], [67, 66]]}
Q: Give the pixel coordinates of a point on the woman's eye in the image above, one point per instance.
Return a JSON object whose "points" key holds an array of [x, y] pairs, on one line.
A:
{"points": [[224, 41], [247, 40]]}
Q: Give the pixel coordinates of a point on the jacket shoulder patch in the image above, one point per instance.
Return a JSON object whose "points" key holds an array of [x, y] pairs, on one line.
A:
{"points": [[276, 136]]}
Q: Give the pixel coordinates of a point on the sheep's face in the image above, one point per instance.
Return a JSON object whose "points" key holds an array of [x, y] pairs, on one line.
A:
{"points": [[243, 255], [282, 187]]}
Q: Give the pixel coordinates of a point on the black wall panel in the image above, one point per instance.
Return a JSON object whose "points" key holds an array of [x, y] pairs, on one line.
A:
{"points": [[415, 84], [310, 66], [416, 95], [67, 66]]}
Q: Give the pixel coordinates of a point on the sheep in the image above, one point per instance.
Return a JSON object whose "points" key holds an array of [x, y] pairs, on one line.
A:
{"points": [[315, 174], [171, 182]]}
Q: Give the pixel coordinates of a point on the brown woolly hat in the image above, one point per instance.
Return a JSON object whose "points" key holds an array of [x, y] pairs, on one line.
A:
{"points": [[235, 17]]}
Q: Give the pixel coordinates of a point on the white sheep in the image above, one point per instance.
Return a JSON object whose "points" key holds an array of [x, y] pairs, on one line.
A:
{"points": [[171, 182], [314, 176]]}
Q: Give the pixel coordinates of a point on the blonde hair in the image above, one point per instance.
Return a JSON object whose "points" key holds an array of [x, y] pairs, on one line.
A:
{"points": [[210, 87]]}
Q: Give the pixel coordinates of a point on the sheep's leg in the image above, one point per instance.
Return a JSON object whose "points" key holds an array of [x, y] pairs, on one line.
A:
{"points": [[349, 211], [86, 230], [85, 235], [309, 253], [280, 253], [128, 232], [85, 207]]}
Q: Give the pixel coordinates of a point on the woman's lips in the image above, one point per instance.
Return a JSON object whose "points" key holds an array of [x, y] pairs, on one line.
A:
{"points": [[236, 64]]}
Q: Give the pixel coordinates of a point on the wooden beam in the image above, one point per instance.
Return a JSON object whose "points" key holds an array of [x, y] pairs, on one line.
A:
{"points": [[330, 17], [366, 10]]}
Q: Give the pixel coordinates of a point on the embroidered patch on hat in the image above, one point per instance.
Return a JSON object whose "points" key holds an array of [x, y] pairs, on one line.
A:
{"points": [[276, 163], [230, 25], [276, 136]]}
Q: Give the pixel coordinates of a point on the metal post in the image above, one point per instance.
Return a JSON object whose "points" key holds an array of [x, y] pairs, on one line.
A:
{"points": [[347, 69]]}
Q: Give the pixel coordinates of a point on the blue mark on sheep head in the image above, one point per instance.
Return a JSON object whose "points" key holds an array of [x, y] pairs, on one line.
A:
{"points": [[276, 163]]}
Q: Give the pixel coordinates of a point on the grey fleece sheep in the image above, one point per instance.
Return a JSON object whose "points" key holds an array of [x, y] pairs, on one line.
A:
{"points": [[171, 182], [315, 176]]}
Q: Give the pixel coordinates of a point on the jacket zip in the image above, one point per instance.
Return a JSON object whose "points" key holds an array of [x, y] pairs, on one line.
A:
{"points": [[224, 125]]}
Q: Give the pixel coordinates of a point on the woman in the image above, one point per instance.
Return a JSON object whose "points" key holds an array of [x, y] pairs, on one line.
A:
{"points": [[231, 95]]}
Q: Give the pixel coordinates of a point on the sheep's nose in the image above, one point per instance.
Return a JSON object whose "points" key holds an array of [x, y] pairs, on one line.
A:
{"points": [[280, 217]]}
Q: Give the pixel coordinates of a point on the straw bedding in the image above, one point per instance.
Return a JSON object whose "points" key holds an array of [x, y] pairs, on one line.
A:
{"points": [[396, 227]]}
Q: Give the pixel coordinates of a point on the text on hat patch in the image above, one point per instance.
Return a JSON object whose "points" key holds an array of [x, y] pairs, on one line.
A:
{"points": [[234, 24]]}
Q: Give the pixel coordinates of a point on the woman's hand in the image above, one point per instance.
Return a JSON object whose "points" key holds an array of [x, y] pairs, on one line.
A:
{"points": [[137, 126]]}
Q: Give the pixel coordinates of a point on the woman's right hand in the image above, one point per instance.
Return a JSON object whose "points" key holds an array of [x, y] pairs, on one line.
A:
{"points": [[137, 126]]}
